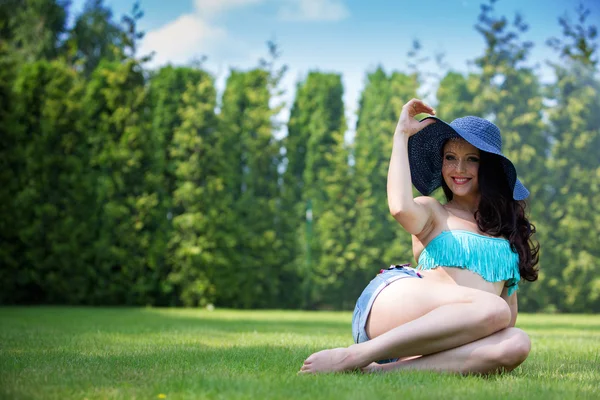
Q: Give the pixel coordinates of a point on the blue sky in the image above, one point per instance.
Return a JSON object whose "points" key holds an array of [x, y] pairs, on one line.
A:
{"points": [[350, 37]]}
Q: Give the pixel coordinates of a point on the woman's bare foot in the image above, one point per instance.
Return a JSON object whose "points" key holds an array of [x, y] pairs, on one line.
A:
{"points": [[333, 360]]}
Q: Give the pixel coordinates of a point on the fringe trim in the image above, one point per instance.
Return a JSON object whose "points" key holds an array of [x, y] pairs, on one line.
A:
{"points": [[489, 257]]}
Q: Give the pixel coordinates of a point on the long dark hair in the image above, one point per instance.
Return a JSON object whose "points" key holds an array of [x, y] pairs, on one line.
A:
{"points": [[500, 215]]}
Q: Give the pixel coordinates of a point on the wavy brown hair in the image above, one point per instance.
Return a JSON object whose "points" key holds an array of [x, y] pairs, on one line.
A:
{"points": [[500, 215]]}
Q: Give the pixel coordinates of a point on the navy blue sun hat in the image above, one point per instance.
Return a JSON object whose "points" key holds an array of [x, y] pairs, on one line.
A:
{"points": [[425, 156]]}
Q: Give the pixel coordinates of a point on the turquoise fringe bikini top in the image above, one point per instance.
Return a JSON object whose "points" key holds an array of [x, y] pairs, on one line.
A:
{"points": [[490, 257]]}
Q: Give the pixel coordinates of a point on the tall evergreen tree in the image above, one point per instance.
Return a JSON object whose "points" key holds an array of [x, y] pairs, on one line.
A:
{"points": [[166, 105], [123, 157], [333, 226], [12, 164], [293, 209], [316, 187], [53, 200], [194, 247], [248, 169], [166, 89], [457, 95], [574, 188]]}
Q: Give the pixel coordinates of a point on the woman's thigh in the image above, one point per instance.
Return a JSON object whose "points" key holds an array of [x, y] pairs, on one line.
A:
{"points": [[408, 299]]}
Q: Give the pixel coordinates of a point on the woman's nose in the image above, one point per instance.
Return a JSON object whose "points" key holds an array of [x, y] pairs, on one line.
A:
{"points": [[460, 166]]}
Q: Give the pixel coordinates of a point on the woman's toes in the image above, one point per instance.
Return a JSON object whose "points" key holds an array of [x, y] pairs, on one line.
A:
{"points": [[305, 369], [333, 360]]}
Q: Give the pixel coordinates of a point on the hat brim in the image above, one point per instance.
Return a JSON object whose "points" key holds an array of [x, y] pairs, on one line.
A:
{"points": [[425, 157]]}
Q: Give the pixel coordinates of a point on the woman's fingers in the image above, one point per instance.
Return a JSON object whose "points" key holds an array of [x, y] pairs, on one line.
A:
{"points": [[417, 106], [407, 124]]}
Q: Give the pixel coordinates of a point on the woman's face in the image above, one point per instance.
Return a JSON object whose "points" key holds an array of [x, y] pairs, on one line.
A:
{"points": [[460, 167]]}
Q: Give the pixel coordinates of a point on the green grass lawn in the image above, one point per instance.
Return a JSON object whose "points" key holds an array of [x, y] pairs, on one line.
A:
{"points": [[98, 353]]}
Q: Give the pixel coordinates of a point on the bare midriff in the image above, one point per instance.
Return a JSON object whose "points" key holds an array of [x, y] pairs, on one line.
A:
{"points": [[462, 277], [446, 221]]}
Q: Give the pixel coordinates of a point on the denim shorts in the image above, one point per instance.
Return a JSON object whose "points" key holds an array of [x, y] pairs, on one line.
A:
{"points": [[366, 299]]}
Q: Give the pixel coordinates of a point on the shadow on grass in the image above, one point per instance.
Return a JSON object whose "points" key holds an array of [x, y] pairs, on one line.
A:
{"points": [[128, 320]]}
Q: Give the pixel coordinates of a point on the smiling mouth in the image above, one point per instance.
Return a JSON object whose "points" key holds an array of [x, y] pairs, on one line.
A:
{"points": [[460, 181]]}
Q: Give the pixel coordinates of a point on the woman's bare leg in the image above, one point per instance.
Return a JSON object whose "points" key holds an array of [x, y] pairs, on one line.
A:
{"points": [[429, 316], [502, 351]]}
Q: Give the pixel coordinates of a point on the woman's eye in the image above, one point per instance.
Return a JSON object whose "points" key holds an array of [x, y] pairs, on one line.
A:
{"points": [[473, 159], [449, 157]]}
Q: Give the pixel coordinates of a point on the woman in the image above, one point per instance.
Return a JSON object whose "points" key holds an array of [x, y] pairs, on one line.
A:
{"points": [[456, 312]]}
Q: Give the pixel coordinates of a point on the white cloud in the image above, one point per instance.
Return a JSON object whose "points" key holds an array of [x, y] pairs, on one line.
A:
{"points": [[212, 7], [314, 10], [181, 40], [192, 35], [197, 33]]}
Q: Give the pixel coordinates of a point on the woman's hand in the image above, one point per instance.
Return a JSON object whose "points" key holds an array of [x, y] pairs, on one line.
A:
{"points": [[408, 125]]}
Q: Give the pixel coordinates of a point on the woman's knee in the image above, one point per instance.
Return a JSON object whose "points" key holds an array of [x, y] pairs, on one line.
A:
{"points": [[511, 351], [496, 313], [517, 349]]}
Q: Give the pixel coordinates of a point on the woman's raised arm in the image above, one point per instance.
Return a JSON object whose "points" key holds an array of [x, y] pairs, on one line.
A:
{"points": [[412, 214]]}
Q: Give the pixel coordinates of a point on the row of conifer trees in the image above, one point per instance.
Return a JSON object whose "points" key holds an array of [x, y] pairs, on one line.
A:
{"points": [[122, 185]]}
